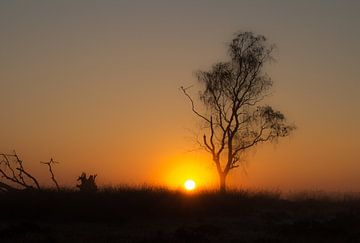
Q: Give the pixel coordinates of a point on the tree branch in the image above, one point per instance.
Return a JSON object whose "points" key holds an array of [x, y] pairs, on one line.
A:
{"points": [[193, 106], [49, 164]]}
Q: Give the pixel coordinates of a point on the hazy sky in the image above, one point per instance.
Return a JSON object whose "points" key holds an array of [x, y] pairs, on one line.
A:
{"points": [[95, 84]]}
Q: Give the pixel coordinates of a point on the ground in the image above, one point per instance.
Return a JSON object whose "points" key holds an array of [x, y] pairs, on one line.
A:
{"points": [[153, 215]]}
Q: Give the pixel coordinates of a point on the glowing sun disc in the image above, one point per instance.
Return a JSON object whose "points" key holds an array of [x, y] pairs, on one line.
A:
{"points": [[189, 185]]}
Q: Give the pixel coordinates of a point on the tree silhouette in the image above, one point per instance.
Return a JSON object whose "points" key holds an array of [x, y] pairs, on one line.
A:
{"points": [[14, 175], [49, 164], [231, 94]]}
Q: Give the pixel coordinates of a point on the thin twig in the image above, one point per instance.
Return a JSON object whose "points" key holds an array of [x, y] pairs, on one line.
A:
{"points": [[49, 164]]}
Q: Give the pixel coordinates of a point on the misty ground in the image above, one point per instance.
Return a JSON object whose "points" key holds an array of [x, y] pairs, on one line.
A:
{"points": [[159, 215]]}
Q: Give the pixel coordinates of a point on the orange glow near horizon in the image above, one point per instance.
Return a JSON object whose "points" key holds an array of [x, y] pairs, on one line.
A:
{"points": [[183, 168]]}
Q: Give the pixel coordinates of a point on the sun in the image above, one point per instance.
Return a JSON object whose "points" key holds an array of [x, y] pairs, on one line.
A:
{"points": [[189, 185]]}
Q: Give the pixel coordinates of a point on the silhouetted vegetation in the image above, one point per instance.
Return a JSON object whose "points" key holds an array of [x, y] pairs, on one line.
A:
{"points": [[87, 184], [14, 176], [146, 214], [49, 164], [231, 94]]}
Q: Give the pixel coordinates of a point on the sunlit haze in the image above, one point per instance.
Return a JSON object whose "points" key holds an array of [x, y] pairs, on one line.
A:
{"points": [[95, 85]]}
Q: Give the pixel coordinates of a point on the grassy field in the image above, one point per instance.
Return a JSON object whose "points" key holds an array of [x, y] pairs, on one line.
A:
{"points": [[148, 214]]}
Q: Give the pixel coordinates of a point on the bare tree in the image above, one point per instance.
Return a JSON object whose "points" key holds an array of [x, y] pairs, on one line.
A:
{"points": [[15, 175], [49, 164], [231, 94]]}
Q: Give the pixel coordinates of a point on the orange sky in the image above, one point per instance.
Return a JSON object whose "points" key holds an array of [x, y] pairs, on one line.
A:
{"points": [[95, 85]]}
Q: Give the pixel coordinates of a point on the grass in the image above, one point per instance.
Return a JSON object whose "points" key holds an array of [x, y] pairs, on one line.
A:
{"points": [[112, 203], [150, 214]]}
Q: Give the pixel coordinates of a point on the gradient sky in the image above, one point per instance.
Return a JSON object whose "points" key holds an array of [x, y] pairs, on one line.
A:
{"points": [[95, 84]]}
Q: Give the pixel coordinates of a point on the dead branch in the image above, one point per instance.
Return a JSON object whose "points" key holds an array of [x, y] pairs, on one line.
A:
{"points": [[49, 164], [14, 173]]}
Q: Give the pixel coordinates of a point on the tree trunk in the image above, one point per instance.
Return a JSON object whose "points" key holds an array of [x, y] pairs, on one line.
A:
{"points": [[222, 177]]}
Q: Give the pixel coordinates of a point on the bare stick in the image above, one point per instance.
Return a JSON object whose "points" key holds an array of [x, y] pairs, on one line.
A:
{"points": [[49, 164]]}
